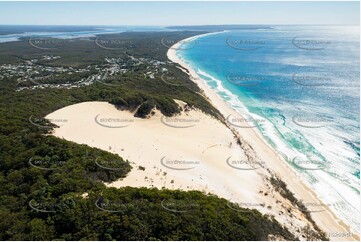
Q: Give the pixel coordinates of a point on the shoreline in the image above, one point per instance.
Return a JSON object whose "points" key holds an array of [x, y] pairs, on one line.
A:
{"points": [[330, 223]]}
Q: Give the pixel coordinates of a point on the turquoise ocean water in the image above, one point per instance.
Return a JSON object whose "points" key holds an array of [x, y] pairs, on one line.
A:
{"points": [[299, 86]]}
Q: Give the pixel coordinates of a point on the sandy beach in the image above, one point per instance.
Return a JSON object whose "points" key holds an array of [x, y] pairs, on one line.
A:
{"points": [[194, 151], [327, 220]]}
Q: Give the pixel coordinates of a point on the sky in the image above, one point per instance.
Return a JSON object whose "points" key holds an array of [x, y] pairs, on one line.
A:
{"points": [[178, 13]]}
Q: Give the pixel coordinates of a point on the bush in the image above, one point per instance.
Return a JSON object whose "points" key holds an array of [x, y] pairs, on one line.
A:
{"points": [[167, 106], [145, 109]]}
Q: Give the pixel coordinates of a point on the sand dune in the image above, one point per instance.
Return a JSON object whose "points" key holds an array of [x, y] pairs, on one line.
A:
{"points": [[194, 151]]}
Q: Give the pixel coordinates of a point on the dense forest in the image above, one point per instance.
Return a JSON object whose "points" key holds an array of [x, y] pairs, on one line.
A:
{"points": [[52, 189]]}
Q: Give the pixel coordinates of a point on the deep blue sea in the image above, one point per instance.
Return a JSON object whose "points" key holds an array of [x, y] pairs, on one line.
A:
{"points": [[299, 86]]}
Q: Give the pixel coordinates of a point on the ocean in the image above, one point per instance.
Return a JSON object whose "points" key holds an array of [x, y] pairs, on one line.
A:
{"points": [[299, 86]]}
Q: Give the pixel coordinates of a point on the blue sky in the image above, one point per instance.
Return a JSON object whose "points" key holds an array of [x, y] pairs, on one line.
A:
{"points": [[178, 13]]}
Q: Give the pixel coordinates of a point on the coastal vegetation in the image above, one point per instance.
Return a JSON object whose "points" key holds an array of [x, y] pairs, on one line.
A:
{"points": [[53, 189], [281, 187]]}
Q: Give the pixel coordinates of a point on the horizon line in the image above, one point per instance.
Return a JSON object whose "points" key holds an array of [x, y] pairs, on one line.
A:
{"points": [[186, 25]]}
